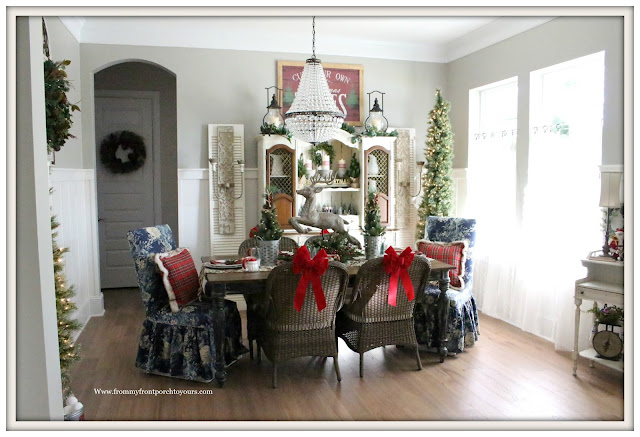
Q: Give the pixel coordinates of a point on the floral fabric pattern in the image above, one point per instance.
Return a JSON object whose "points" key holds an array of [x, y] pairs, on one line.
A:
{"points": [[178, 344], [462, 322]]}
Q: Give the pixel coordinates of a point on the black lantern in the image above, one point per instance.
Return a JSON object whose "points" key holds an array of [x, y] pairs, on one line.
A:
{"points": [[376, 120], [273, 117]]}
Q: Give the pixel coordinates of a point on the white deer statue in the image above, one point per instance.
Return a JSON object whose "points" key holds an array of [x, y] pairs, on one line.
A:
{"points": [[310, 216]]}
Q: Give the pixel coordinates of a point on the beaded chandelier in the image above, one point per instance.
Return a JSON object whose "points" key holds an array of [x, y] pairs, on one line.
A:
{"points": [[313, 116]]}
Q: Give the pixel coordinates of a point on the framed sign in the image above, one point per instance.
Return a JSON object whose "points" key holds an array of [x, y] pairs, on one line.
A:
{"points": [[345, 83]]}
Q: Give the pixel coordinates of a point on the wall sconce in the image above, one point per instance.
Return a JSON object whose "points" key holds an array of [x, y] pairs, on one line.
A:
{"points": [[224, 179], [610, 184], [422, 171], [273, 117], [376, 119]]}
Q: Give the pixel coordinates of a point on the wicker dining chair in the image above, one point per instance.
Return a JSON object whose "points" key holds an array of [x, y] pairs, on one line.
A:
{"points": [[368, 321], [286, 333], [286, 243]]}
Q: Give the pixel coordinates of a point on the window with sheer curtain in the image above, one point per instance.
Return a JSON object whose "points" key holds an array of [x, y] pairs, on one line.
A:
{"points": [[526, 268]]}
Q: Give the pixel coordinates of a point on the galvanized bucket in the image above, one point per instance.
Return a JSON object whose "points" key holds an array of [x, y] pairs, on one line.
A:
{"points": [[268, 252], [372, 247]]}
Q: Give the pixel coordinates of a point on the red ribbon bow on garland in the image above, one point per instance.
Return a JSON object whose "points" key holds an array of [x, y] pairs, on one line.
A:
{"points": [[397, 267], [312, 271]]}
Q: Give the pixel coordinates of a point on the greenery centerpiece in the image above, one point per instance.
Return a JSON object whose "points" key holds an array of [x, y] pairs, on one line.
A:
{"points": [[438, 183], [336, 244], [373, 229], [269, 231]]}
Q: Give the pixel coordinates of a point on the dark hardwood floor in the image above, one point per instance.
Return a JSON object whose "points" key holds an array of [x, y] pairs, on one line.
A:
{"points": [[508, 375]]}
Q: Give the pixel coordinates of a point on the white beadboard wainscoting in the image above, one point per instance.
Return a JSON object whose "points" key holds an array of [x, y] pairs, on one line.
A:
{"points": [[74, 205], [193, 212]]}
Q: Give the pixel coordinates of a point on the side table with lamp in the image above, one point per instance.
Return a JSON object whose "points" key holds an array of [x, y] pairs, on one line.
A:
{"points": [[604, 284]]}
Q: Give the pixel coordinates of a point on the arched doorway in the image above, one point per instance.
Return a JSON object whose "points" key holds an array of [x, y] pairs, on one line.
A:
{"points": [[141, 98]]}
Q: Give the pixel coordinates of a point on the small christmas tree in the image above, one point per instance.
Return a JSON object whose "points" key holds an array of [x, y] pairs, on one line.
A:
{"points": [[354, 168], [372, 225], [438, 184], [69, 353], [269, 228]]}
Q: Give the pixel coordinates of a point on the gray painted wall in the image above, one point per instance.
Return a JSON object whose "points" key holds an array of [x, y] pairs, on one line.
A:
{"points": [[557, 41], [63, 45], [138, 76], [227, 86]]}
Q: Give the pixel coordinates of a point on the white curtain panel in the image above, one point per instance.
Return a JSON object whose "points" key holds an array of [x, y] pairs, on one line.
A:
{"points": [[525, 270]]}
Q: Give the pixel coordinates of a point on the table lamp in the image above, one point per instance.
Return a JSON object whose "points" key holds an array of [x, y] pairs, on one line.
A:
{"points": [[609, 198]]}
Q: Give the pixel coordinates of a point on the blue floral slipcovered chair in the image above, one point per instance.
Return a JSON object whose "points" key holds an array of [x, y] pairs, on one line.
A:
{"points": [[181, 344], [462, 322]]}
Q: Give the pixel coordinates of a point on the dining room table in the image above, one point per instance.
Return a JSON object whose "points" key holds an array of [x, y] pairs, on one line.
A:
{"points": [[219, 282]]}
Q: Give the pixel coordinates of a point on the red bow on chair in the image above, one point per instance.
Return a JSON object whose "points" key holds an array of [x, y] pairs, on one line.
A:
{"points": [[397, 266], [312, 271]]}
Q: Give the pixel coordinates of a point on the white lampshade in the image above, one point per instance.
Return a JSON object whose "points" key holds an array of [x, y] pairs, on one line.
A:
{"points": [[610, 189]]}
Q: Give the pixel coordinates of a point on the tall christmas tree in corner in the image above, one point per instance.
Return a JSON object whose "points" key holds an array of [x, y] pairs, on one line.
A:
{"points": [[437, 184], [64, 308]]}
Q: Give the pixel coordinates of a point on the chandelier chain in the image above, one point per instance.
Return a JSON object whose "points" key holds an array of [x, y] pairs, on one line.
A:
{"points": [[314, 37]]}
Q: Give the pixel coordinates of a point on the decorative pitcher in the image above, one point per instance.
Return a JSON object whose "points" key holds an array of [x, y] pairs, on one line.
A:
{"points": [[372, 166]]}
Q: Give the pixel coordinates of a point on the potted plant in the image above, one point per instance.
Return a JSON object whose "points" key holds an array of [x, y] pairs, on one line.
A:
{"points": [[269, 232], [373, 230], [353, 172], [608, 315]]}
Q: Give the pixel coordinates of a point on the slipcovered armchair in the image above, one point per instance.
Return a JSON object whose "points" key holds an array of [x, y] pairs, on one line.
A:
{"points": [[462, 321], [176, 344]]}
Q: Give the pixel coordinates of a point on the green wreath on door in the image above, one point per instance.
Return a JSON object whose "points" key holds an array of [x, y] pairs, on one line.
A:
{"points": [[131, 143]]}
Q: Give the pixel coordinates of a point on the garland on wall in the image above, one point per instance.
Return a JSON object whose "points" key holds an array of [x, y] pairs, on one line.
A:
{"points": [[129, 142]]}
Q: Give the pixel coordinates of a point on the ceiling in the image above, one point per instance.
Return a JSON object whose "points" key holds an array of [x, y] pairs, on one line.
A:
{"points": [[414, 38]]}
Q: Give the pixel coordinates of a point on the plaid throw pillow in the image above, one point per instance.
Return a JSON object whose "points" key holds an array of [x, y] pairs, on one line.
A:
{"points": [[179, 277], [454, 253]]}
